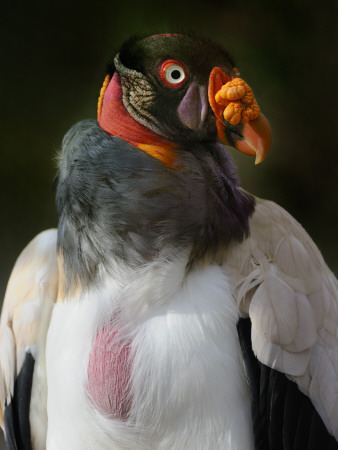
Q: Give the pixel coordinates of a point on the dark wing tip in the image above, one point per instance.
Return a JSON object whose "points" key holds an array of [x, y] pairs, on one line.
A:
{"points": [[283, 417], [16, 416]]}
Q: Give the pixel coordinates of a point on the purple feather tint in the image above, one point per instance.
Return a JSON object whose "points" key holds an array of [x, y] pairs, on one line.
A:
{"points": [[193, 108]]}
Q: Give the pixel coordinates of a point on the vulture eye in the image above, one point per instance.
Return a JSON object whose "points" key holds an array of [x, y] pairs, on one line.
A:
{"points": [[172, 73]]}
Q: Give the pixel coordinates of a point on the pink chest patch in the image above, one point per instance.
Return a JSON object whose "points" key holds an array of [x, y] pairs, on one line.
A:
{"points": [[109, 375]]}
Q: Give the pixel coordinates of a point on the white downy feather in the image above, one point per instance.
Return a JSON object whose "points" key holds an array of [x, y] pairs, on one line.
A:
{"points": [[188, 386]]}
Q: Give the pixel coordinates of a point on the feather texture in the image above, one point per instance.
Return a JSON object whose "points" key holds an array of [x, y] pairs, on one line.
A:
{"points": [[187, 386], [30, 296], [283, 417], [290, 295]]}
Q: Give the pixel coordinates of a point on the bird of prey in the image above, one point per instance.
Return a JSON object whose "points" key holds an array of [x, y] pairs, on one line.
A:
{"points": [[170, 309]]}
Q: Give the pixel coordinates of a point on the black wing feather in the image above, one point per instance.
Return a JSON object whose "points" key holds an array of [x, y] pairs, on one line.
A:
{"points": [[16, 416], [283, 417]]}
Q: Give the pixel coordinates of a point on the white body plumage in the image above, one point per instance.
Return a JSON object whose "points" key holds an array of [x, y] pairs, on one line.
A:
{"points": [[187, 385]]}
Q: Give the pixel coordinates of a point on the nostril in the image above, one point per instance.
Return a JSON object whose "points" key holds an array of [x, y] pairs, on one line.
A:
{"points": [[193, 108]]}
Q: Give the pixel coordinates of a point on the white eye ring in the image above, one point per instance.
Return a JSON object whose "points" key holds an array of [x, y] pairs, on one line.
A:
{"points": [[172, 73]]}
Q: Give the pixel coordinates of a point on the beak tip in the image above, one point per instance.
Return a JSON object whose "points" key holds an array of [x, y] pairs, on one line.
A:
{"points": [[256, 138]]}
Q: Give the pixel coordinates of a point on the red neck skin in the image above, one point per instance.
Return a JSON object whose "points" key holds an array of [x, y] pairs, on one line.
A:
{"points": [[115, 120]]}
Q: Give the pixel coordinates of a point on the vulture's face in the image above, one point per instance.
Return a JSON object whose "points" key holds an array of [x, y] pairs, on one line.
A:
{"points": [[167, 83]]}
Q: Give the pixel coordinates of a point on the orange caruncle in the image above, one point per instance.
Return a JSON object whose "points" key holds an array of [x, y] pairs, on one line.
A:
{"points": [[239, 102]]}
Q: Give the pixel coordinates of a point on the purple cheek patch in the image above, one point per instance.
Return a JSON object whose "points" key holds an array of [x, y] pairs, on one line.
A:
{"points": [[193, 108]]}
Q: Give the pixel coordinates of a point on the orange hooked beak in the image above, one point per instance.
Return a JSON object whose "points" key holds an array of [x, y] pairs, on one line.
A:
{"points": [[239, 121]]}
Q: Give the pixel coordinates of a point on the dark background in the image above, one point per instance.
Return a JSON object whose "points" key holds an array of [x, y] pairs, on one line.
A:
{"points": [[53, 58]]}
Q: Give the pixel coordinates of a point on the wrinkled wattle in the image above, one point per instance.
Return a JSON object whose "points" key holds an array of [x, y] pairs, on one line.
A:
{"points": [[116, 120]]}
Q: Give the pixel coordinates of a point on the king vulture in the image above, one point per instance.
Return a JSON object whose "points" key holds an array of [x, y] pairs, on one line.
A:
{"points": [[170, 309]]}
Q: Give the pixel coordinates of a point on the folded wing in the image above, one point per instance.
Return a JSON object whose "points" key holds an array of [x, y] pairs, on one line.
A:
{"points": [[284, 286], [29, 299]]}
